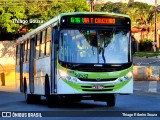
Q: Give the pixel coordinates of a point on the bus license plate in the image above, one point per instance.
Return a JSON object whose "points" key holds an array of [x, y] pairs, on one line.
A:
{"points": [[97, 86]]}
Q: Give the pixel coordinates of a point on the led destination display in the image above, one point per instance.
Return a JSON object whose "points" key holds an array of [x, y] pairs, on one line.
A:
{"points": [[95, 20], [87, 20]]}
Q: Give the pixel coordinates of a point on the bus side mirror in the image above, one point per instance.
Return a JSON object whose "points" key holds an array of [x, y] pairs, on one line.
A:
{"points": [[133, 45]]}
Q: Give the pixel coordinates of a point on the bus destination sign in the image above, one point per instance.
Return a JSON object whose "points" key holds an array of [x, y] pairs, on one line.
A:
{"points": [[94, 20]]}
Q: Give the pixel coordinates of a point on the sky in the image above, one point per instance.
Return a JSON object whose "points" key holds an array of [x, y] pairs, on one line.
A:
{"points": [[150, 2]]}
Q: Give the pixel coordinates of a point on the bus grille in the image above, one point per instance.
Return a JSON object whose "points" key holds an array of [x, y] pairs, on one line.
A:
{"points": [[90, 89], [99, 69]]}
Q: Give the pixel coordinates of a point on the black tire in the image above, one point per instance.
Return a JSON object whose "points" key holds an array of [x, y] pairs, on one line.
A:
{"points": [[30, 98], [47, 91], [111, 100], [52, 100]]}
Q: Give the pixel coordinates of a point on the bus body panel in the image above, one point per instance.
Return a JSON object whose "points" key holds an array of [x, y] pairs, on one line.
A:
{"points": [[111, 82], [127, 89], [17, 77], [42, 68], [26, 70]]}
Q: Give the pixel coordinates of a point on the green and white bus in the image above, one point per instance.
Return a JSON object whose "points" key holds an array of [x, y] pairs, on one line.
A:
{"points": [[76, 56]]}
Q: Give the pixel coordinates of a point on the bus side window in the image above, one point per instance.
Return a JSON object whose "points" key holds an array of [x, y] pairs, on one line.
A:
{"points": [[42, 46], [48, 41], [44, 36], [25, 52], [17, 54], [37, 46], [28, 50]]}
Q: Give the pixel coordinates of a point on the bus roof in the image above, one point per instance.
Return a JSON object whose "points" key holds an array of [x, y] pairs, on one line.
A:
{"points": [[94, 13], [57, 18]]}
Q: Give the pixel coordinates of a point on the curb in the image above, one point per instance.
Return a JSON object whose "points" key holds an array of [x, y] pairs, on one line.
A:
{"points": [[152, 87], [147, 63], [144, 91]]}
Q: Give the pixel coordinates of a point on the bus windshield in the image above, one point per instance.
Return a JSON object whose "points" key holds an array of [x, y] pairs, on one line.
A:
{"points": [[94, 46]]}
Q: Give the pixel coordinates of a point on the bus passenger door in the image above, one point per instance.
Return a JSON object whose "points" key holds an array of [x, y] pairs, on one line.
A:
{"points": [[54, 61], [21, 67], [31, 65]]}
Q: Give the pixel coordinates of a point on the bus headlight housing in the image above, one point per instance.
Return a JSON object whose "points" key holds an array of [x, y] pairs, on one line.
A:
{"points": [[63, 74], [126, 77]]}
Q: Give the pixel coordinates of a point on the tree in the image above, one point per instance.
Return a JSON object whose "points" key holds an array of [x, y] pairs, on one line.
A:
{"points": [[8, 13], [97, 7], [12, 13], [7, 49], [112, 7]]}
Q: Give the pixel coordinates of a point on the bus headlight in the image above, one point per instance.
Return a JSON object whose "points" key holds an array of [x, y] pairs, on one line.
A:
{"points": [[129, 75], [126, 77], [63, 74]]}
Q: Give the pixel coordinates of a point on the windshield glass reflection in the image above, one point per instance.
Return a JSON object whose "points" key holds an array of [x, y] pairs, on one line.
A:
{"points": [[94, 46]]}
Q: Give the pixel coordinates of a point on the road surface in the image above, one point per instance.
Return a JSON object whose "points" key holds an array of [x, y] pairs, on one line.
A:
{"points": [[140, 103]]}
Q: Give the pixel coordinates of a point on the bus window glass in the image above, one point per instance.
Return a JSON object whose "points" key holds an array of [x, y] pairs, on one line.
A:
{"points": [[48, 48], [49, 33], [42, 51], [25, 45], [17, 54], [44, 36], [94, 46], [25, 52], [38, 39], [28, 50], [37, 52], [111, 46], [28, 43]]}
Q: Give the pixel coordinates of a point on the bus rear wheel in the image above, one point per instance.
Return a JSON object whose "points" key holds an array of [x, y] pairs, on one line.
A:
{"points": [[111, 100]]}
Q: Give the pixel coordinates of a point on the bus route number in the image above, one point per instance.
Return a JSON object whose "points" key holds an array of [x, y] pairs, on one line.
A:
{"points": [[81, 75]]}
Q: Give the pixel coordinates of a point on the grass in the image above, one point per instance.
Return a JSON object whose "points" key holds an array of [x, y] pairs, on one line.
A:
{"points": [[146, 54]]}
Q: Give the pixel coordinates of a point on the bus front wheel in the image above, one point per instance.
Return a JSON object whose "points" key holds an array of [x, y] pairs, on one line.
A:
{"points": [[52, 100]]}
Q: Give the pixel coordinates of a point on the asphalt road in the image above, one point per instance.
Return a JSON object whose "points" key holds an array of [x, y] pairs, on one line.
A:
{"points": [[143, 61], [140, 103]]}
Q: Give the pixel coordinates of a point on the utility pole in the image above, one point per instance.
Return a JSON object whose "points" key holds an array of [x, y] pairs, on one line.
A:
{"points": [[91, 5], [155, 27]]}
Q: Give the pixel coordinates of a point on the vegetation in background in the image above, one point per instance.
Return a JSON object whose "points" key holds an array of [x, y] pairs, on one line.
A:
{"points": [[35, 10], [140, 13], [145, 45], [146, 54]]}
